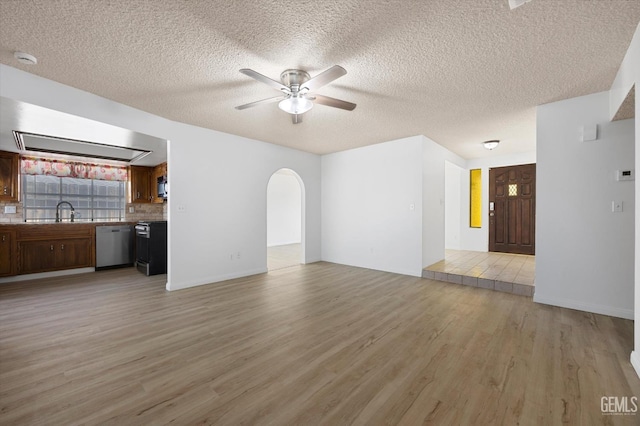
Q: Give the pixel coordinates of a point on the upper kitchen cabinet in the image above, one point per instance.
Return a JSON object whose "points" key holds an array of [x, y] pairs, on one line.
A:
{"points": [[146, 183], [141, 187], [158, 182], [9, 172]]}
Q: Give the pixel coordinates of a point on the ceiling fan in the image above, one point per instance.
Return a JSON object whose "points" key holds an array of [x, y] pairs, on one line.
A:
{"points": [[296, 87], [517, 3]]}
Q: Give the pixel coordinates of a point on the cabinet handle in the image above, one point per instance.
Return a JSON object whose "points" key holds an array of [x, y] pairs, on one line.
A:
{"points": [[51, 247], [5, 190], [4, 237], [62, 247], [138, 196]]}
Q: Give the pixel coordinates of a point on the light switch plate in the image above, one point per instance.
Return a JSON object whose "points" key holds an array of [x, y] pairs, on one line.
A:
{"points": [[589, 132], [9, 209]]}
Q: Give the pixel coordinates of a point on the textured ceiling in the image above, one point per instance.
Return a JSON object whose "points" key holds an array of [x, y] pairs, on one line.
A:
{"points": [[459, 72]]}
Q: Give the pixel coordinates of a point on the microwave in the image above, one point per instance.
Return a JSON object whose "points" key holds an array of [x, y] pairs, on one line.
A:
{"points": [[163, 187]]}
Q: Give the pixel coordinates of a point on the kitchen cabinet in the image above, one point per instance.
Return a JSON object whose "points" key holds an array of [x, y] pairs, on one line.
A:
{"points": [[52, 255], [42, 248], [140, 178], [7, 253], [159, 171], [9, 173]]}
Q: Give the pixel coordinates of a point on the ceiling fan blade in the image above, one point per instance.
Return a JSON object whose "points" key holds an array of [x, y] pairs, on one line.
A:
{"points": [[264, 79], [332, 102], [296, 118], [517, 3], [323, 78], [263, 101]]}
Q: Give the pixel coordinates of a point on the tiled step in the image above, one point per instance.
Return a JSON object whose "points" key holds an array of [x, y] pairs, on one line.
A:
{"points": [[497, 285]]}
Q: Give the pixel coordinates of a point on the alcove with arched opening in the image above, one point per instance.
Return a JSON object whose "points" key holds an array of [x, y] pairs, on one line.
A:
{"points": [[285, 220]]}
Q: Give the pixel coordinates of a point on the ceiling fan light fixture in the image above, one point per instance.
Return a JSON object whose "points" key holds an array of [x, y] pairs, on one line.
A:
{"points": [[295, 105], [491, 144]]}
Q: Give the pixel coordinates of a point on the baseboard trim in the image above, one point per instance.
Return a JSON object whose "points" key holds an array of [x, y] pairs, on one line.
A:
{"points": [[635, 362], [52, 274], [586, 307], [216, 279], [398, 271]]}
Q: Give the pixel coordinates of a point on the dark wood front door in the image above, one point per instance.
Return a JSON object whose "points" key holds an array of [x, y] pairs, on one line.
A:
{"points": [[512, 209]]}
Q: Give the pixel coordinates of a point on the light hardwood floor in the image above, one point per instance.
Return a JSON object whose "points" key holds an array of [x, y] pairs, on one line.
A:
{"points": [[284, 256], [310, 344]]}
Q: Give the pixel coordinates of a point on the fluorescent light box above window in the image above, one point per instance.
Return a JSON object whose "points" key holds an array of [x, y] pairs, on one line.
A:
{"points": [[77, 148]]}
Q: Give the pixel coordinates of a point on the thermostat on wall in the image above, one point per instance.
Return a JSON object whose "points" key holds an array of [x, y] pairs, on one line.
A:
{"points": [[625, 175]]}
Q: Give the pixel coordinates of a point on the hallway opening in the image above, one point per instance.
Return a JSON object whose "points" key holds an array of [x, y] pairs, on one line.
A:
{"points": [[285, 233]]}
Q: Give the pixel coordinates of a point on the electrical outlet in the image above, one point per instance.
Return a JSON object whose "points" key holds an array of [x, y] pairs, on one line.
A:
{"points": [[617, 206], [9, 209]]}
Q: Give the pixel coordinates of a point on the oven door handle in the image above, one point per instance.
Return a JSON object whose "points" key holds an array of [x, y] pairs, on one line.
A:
{"points": [[142, 234]]}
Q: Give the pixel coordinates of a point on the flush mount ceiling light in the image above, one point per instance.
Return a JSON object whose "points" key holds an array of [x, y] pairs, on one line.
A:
{"points": [[490, 144], [25, 58]]}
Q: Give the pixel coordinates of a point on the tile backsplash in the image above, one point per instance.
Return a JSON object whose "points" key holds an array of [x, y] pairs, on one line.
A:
{"points": [[144, 211], [11, 217]]}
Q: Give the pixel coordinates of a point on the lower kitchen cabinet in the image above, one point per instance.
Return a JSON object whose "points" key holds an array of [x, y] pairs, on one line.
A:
{"points": [[7, 253], [52, 255], [37, 256], [76, 253]]}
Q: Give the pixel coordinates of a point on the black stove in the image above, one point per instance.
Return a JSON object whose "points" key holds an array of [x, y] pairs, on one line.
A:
{"points": [[151, 247]]}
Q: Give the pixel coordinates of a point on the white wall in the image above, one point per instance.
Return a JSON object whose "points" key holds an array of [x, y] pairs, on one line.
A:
{"points": [[585, 253], [635, 355], [284, 209], [477, 239], [205, 227], [453, 176], [434, 158], [367, 218], [629, 75]]}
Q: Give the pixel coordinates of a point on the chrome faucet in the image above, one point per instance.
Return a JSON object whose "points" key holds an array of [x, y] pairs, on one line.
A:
{"points": [[73, 211]]}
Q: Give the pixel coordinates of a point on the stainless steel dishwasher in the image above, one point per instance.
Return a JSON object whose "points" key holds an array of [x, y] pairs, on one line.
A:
{"points": [[114, 246]]}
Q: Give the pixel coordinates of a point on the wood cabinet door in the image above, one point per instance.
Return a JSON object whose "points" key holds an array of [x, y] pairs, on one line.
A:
{"points": [[37, 256], [53, 255], [75, 253], [9, 164], [6, 253], [140, 184], [159, 171]]}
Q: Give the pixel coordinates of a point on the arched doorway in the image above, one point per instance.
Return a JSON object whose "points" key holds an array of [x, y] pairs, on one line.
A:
{"points": [[285, 220]]}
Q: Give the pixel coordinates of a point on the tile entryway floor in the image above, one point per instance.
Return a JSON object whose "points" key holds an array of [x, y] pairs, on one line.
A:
{"points": [[511, 273]]}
